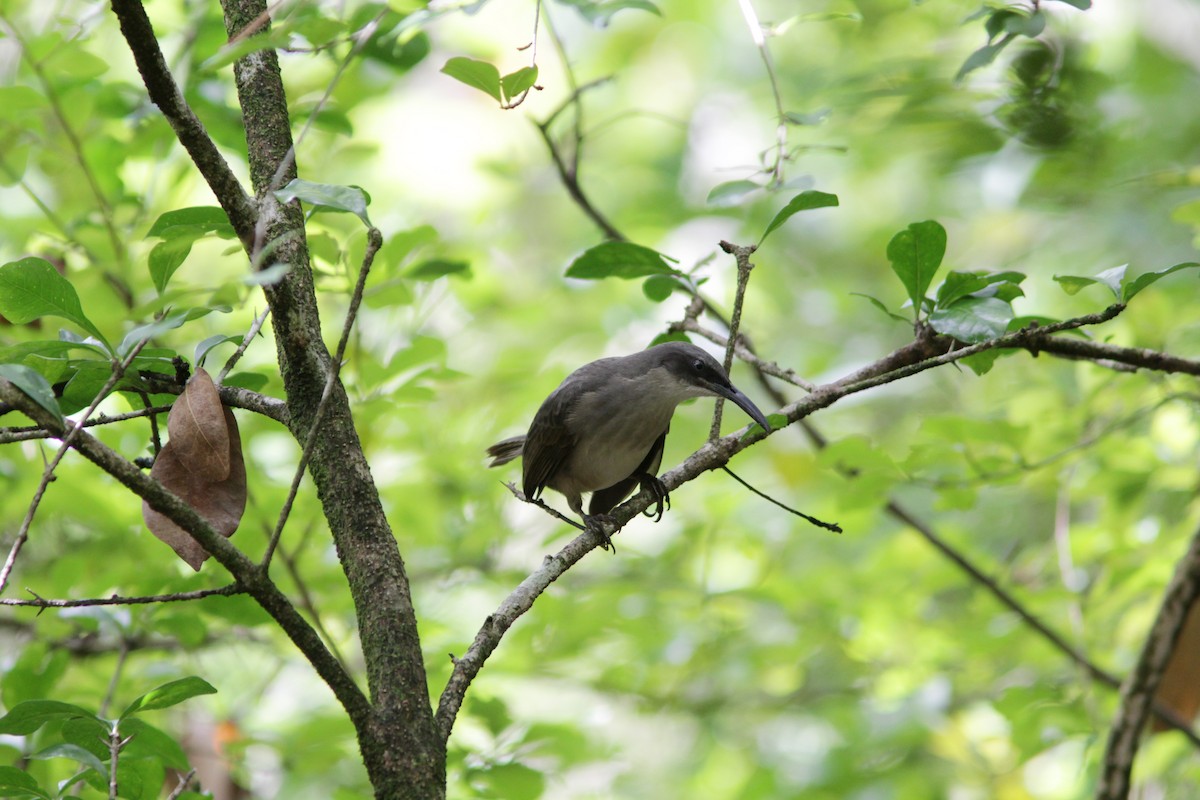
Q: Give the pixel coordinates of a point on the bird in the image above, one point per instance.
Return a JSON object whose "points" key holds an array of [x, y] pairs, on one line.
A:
{"points": [[603, 429]]}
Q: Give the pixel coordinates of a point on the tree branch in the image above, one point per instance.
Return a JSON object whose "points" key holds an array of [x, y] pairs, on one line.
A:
{"points": [[243, 569], [712, 455], [1137, 693], [1133, 356], [118, 369], [139, 35], [117, 600], [741, 256], [401, 749]]}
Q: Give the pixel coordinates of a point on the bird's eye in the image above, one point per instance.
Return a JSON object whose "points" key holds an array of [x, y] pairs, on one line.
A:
{"points": [[698, 365]]}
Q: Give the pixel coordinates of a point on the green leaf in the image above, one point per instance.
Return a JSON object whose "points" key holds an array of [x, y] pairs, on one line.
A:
{"points": [[1136, 285], [619, 260], [1030, 26], [879, 304], [161, 326], [916, 253], [31, 382], [15, 783], [480, 75], [149, 741], [327, 197], [253, 381], [961, 284], [16, 101], [1082, 5], [34, 673], [1072, 284], [982, 57], [658, 288], [981, 363], [512, 781], [436, 268], [202, 349], [74, 752], [730, 193], [973, 319], [801, 202], [1112, 278], [192, 222], [27, 717], [514, 83], [32, 288], [169, 694], [166, 257]]}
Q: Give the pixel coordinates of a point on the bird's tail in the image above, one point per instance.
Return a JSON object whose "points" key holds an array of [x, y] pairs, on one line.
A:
{"points": [[505, 451]]}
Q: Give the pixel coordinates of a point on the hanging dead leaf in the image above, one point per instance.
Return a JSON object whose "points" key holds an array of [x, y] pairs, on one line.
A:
{"points": [[1179, 689], [197, 428], [220, 502]]}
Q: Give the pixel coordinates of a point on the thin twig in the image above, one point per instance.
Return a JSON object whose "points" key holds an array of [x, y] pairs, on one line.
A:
{"points": [[374, 242], [760, 42], [246, 340], [155, 436], [568, 173], [259, 586], [306, 599], [533, 46], [829, 526], [745, 354], [48, 473], [543, 505], [287, 163], [118, 600], [184, 780], [744, 266]]}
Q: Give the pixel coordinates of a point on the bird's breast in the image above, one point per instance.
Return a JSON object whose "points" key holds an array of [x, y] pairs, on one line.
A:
{"points": [[615, 429]]}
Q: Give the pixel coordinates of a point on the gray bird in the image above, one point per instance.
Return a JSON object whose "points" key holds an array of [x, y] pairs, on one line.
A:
{"points": [[603, 429]]}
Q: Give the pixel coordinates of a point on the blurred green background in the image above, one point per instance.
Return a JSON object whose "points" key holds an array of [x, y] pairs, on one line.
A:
{"points": [[731, 651]]}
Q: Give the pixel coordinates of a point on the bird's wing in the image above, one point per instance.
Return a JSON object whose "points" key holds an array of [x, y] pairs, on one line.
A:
{"points": [[548, 442]]}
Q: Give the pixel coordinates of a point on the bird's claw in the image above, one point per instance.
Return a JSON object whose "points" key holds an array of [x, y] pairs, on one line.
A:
{"points": [[658, 491], [599, 524]]}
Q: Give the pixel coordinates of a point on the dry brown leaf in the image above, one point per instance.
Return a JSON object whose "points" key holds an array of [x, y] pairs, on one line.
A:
{"points": [[197, 428], [1180, 687], [220, 502]]}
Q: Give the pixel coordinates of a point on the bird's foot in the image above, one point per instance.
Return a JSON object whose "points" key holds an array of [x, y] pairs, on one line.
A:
{"points": [[600, 523], [658, 490]]}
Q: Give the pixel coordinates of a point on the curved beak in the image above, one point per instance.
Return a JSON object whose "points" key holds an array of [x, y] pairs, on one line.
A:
{"points": [[732, 394]]}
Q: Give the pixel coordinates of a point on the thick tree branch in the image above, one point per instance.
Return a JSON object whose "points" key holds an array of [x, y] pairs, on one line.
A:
{"points": [[1137, 693], [1098, 351], [402, 751], [139, 35]]}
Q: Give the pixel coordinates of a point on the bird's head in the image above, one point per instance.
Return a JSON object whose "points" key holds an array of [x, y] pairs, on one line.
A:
{"points": [[701, 375]]}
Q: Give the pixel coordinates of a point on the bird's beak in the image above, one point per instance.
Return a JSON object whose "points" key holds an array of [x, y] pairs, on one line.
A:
{"points": [[743, 402]]}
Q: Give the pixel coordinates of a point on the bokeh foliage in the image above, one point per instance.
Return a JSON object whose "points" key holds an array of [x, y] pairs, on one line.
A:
{"points": [[730, 651]]}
